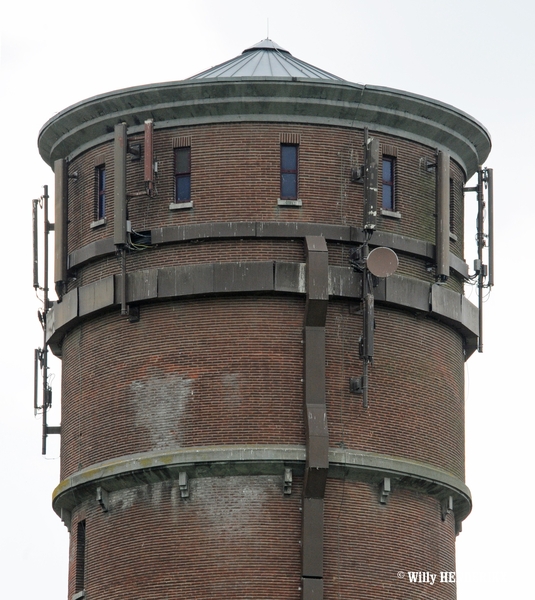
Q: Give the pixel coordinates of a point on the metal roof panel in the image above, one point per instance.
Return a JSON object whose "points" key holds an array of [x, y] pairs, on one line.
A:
{"points": [[266, 59]]}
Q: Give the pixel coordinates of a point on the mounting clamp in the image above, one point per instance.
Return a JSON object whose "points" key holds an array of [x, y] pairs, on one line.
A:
{"points": [[447, 507], [385, 488], [183, 484], [103, 499], [355, 385], [287, 482]]}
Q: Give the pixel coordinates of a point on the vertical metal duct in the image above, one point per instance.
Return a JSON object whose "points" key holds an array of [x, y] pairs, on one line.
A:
{"points": [[316, 430], [442, 247], [60, 225], [119, 186], [149, 157]]}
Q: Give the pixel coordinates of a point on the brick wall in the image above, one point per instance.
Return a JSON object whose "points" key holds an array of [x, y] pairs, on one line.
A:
{"points": [[239, 537], [235, 537], [235, 177], [229, 370]]}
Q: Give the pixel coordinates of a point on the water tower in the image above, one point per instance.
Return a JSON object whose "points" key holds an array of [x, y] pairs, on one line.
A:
{"points": [[260, 314]]}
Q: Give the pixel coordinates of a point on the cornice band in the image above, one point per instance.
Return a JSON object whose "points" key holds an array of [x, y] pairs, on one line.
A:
{"points": [[218, 461]]}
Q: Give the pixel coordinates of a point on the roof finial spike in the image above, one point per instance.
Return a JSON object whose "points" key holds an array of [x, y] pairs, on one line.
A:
{"points": [[267, 28]]}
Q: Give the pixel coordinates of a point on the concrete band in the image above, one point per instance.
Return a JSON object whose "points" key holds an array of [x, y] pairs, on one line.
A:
{"points": [[189, 281], [218, 461], [271, 229], [285, 100]]}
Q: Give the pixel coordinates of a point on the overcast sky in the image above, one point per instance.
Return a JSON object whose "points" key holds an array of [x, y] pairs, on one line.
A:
{"points": [[476, 55]]}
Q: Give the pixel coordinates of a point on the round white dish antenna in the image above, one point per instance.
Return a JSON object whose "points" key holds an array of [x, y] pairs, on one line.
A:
{"points": [[382, 262]]}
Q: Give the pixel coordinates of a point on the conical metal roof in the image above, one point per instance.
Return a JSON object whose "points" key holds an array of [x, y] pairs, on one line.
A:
{"points": [[266, 59], [266, 84]]}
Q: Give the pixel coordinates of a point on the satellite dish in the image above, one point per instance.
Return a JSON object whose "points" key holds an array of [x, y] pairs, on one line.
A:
{"points": [[382, 262]]}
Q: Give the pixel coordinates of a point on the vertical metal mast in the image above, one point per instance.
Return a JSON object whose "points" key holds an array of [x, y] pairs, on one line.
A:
{"points": [[480, 246], [371, 160], [48, 227], [41, 354]]}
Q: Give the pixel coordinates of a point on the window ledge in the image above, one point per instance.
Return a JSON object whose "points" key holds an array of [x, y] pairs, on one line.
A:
{"points": [[78, 595], [282, 202], [394, 214], [453, 237], [99, 223], [180, 205]]}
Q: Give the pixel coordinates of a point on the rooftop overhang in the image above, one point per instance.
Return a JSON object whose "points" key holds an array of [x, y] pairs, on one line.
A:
{"points": [[252, 99]]}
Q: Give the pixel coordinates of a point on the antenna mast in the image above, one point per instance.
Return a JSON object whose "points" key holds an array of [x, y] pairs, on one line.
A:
{"points": [[41, 354], [485, 239]]}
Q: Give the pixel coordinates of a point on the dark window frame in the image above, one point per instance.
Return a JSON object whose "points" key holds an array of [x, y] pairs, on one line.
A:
{"points": [[182, 175], [100, 205], [289, 172], [452, 205], [389, 184], [81, 547]]}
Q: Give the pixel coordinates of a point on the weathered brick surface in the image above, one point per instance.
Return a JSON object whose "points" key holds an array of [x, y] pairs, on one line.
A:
{"points": [[229, 370], [235, 537], [367, 543], [218, 371], [235, 177], [191, 373], [416, 389], [239, 537]]}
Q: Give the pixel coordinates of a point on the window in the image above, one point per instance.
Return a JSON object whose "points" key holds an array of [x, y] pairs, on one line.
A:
{"points": [[183, 174], [80, 557], [289, 171], [452, 206], [389, 168], [101, 193]]}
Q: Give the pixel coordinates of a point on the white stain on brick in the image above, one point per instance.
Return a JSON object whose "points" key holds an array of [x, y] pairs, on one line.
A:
{"points": [[160, 404]]}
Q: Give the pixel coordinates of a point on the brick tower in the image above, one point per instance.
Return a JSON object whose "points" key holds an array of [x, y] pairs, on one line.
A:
{"points": [[263, 331]]}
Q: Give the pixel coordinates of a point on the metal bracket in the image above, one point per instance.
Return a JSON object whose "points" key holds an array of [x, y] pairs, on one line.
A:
{"points": [[355, 385], [447, 507], [134, 313], [430, 166], [135, 151], [385, 489], [103, 499], [356, 259], [183, 484], [357, 174], [287, 482]]}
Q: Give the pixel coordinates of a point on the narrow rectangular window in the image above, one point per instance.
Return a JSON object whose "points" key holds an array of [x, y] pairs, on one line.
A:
{"points": [[289, 163], [452, 206], [80, 557], [101, 193], [389, 169], [183, 174]]}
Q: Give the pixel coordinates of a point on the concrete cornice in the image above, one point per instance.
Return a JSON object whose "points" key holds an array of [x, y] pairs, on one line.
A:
{"points": [[166, 283], [271, 229], [282, 100], [216, 461]]}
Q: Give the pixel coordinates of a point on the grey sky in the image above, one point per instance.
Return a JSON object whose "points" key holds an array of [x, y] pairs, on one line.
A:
{"points": [[474, 54]]}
